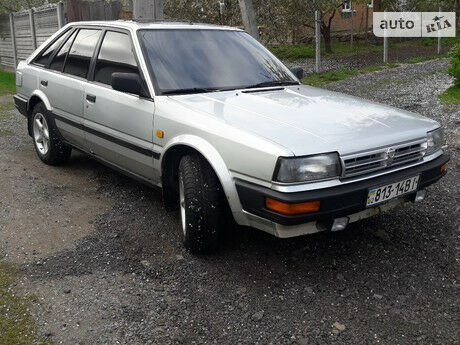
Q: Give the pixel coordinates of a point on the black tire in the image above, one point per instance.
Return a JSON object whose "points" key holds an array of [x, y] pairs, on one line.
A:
{"points": [[57, 153], [204, 203]]}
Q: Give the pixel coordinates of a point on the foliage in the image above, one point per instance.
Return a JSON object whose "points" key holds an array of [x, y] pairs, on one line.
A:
{"points": [[7, 82], [454, 68], [418, 5], [7, 6]]}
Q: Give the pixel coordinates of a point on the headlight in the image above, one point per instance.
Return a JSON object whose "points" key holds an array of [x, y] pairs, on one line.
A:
{"points": [[435, 141], [309, 168]]}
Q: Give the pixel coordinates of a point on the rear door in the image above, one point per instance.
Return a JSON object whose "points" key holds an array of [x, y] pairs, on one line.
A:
{"points": [[64, 81], [119, 126]]}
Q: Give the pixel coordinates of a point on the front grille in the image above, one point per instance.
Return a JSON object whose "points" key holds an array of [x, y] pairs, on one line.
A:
{"points": [[385, 158]]}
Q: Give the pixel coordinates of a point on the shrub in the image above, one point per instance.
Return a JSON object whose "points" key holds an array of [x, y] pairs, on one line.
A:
{"points": [[427, 41], [454, 68]]}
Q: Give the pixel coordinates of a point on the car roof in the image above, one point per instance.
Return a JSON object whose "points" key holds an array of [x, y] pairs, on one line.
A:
{"points": [[150, 24]]}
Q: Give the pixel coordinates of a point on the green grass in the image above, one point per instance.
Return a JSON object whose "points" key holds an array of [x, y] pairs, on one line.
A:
{"points": [[7, 82], [418, 59], [451, 96], [321, 79], [16, 325], [294, 52], [305, 51]]}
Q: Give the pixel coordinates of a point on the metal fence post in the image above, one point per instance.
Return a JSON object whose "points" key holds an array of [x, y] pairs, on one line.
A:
{"points": [[32, 28], [60, 14], [318, 40], [13, 40], [439, 36], [385, 46]]}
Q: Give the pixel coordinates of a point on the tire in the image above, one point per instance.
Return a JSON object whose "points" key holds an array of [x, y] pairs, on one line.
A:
{"points": [[47, 140], [202, 205]]}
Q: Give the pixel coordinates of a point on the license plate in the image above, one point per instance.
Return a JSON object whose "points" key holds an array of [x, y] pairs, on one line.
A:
{"points": [[391, 191]]}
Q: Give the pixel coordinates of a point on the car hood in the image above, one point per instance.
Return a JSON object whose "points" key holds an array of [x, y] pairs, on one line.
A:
{"points": [[308, 120]]}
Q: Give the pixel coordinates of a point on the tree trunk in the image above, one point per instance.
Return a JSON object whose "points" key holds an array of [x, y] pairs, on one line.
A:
{"points": [[326, 33]]}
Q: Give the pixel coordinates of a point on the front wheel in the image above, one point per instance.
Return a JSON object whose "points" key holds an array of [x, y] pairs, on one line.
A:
{"points": [[202, 204]]}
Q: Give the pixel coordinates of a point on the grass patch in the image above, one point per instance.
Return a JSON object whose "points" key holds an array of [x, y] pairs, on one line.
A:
{"points": [[294, 52], [7, 82], [451, 96], [16, 325], [418, 59], [321, 79], [307, 51]]}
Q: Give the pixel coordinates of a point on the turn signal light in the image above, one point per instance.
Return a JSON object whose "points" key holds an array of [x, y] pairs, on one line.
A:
{"points": [[291, 209]]}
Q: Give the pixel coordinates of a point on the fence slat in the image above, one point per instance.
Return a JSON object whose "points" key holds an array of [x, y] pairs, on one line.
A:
{"points": [[13, 40]]}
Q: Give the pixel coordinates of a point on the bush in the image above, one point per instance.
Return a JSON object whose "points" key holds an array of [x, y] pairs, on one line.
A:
{"points": [[454, 68], [427, 41]]}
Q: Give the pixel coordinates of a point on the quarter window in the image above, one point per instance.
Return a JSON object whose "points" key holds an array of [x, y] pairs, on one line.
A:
{"points": [[43, 58], [59, 58], [80, 54], [116, 55]]}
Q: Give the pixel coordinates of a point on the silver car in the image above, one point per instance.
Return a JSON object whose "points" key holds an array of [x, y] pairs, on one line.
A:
{"points": [[223, 127]]}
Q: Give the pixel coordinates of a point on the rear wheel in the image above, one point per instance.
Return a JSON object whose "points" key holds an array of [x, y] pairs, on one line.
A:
{"points": [[202, 204], [47, 142]]}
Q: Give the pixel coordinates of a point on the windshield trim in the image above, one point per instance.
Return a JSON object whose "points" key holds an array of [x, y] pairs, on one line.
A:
{"points": [[165, 92]]}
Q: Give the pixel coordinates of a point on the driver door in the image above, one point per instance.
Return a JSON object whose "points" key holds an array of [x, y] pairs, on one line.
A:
{"points": [[119, 125]]}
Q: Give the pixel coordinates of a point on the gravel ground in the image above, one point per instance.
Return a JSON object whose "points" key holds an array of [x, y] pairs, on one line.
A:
{"points": [[106, 265], [395, 55]]}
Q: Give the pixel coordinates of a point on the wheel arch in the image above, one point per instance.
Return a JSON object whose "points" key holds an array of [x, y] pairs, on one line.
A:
{"points": [[36, 97], [169, 162]]}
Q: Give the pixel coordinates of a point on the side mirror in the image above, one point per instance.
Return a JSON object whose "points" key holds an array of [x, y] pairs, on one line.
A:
{"points": [[126, 82], [298, 72]]}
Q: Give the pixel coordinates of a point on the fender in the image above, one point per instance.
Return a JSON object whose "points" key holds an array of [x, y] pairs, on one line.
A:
{"points": [[40, 94], [220, 168]]}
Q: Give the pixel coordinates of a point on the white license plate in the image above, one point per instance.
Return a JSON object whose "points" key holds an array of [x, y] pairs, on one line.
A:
{"points": [[391, 191]]}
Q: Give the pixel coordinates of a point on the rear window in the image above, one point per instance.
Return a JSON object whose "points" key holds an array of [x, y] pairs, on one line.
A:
{"points": [[59, 58], [43, 58]]}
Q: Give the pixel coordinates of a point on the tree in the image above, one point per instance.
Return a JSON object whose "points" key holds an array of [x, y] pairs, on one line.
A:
{"points": [[8, 6], [301, 13]]}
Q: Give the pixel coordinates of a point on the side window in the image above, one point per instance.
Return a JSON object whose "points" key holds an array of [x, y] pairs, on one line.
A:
{"points": [[80, 54], [42, 58], [116, 55], [59, 58]]}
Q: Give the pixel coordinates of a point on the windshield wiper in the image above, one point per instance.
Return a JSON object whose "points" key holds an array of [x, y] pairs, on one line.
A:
{"points": [[189, 90], [271, 83]]}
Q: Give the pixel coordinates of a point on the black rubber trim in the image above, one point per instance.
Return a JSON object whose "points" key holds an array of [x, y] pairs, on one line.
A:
{"points": [[108, 137], [337, 201], [20, 104]]}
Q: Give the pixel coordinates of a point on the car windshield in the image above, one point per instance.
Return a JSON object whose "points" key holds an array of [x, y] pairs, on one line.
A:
{"points": [[189, 61]]}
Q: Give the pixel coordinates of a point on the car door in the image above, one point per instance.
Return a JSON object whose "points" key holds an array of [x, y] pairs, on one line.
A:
{"points": [[64, 80], [119, 125]]}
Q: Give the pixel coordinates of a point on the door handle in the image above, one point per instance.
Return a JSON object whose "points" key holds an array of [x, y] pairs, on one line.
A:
{"points": [[91, 98], [44, 82]]}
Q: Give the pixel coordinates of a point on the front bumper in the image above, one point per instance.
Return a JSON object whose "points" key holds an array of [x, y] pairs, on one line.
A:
{"points": [[345, 200], [21, 104]]}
